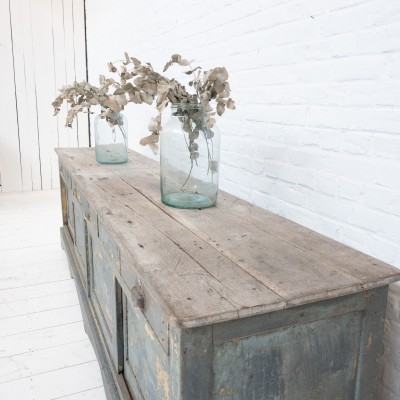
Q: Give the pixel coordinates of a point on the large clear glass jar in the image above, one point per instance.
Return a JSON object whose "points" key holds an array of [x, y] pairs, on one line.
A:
{"points": [[111, 136], [189, 158]]}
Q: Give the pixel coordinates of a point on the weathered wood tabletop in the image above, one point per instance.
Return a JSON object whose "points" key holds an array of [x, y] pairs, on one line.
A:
{"points": [[222, 263]]}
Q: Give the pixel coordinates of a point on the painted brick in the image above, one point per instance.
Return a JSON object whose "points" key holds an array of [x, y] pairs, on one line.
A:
{"points": [[387, 146]]}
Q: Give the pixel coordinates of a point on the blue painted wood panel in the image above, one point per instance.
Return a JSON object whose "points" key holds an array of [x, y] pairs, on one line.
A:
{"points": [[313, 361], [102, 291], [146, 363]]}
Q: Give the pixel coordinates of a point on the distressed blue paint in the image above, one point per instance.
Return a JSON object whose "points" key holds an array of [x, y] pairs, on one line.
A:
{"points": [[309, 361]]}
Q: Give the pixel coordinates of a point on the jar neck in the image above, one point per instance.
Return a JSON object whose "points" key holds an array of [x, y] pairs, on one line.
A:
{"points": [[109, 111], [176, 107]]}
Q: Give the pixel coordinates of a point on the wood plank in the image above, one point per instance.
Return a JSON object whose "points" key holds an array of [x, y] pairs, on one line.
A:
{"points": [[22, 45], [41, 320], [16, 258], [18, 218], [36, 291], [10, 163], [91, 394], [40, 304], [42, 39], [26, 240], [234, 330], [197, 363], [79, 36], [40, 361], [60, 78], [70, 70], [371, 347], [41, 339], [22, 277], [62, 63], [50, 385], [29, 114]]}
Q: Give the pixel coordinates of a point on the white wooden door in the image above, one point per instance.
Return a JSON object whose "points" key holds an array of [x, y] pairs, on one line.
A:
{"points": [[42, 48]]}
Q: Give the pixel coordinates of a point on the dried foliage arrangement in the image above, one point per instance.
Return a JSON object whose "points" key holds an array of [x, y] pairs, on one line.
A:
{"points": [[81, 96], [139, 83]]}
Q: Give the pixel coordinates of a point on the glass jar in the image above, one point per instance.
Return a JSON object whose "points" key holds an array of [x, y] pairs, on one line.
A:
{"points": [[111, 136], [189, 158]]}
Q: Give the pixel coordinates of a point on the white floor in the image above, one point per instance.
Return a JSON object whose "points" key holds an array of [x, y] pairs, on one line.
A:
{"points": [[44, 351]]}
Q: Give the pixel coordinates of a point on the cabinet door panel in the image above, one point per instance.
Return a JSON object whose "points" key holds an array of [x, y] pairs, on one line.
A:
{"points": [[146, 366], [80, 240], [102, 291], [316, 360]]}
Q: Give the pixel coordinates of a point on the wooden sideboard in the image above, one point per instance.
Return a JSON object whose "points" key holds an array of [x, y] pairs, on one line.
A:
{"points": [[227, 303]]}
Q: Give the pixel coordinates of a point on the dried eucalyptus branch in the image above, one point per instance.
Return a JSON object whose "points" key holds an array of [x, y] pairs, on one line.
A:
{"points": [[142, 84], [82, 96]]}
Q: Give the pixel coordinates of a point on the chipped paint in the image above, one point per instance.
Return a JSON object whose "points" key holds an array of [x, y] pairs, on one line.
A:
{"points": [[162, 379], [149, 332], [370, 341], [227, 391]]}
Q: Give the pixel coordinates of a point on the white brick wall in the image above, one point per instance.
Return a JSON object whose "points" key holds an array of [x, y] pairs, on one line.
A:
{"points": [[316, 133]]}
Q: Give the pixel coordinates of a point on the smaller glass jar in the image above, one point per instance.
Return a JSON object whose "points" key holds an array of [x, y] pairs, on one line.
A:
{"points": [[189, 159], [111, 136]]}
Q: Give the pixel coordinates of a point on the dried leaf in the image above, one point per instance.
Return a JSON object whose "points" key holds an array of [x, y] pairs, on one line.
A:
{"points": [[213, 166], [121, 100], [162, 87], [231, 104], [135, 97], [194, 155], [210, 123], [176, 58], [154, 125], [167, 65], [150, 141], [128, 87], [111, 67], [135, 61], [194, 147], [146, 98], [112, 104], [119, 91], [153, 147]]}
